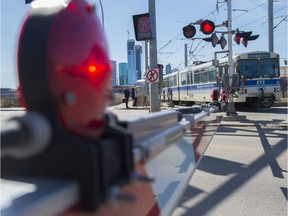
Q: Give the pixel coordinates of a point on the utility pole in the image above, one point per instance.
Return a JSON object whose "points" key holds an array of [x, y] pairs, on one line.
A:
{"points": [[154, 86], [231, 111], [270, 26]]}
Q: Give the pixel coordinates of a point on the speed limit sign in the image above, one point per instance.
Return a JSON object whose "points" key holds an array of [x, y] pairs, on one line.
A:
{"points": [[152, 76]]}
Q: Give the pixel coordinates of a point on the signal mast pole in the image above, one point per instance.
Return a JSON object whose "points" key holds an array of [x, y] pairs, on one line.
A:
{"points": [[231, 111]]}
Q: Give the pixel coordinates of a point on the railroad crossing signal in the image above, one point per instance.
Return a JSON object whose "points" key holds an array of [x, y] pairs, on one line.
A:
{"points": [[189, 31], [222, 41], [245, 36], [215, 40], [206, 27]]}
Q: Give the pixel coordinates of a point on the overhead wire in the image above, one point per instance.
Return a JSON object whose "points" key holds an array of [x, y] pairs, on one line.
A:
{"points": [[248, 11]]}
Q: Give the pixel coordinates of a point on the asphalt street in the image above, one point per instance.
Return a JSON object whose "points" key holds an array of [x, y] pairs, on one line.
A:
{"points": [[243, 171]]}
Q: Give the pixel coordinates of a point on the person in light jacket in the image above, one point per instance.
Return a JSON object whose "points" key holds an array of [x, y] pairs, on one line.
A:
{"points": [[134, 96]]}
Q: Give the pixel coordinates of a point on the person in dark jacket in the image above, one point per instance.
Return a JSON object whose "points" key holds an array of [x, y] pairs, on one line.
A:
{"points": [[126, 95]]}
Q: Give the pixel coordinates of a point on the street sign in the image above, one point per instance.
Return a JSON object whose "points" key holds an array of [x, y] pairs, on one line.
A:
{"points": [[142, 27], [152, 75]]}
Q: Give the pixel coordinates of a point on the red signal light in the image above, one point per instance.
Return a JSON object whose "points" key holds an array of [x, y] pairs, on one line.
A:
{"points": [[207, 27], [237, 39], [92, 68]]}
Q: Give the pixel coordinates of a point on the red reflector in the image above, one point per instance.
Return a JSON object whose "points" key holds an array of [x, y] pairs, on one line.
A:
{"points": [[71, 6]]}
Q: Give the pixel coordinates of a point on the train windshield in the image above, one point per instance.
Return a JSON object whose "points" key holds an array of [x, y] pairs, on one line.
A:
{"points": [[254, 68], [269, 68]]}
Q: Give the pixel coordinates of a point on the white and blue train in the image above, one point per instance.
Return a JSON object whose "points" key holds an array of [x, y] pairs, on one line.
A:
{"points": [[259, 81]]}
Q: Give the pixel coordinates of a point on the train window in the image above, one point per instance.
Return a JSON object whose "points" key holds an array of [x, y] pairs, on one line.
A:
{"points": [[170, 82], [269, 68], [173, 81], [196, 76], [249, 68], [212, 75], [183, 78], [204, 77], [165, 83]]}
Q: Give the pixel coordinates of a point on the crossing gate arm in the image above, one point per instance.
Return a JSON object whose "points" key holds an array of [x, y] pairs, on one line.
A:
{"points": [[171, 163]]}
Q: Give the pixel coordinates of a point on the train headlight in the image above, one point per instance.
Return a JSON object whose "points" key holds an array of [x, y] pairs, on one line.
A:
{"points": [[276, 89]]}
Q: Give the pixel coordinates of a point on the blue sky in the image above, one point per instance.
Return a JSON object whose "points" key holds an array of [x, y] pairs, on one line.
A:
{"points": [[171, 17]]}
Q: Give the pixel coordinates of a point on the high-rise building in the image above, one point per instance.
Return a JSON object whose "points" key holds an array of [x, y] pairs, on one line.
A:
{"points": [[123, 73], [131, 60], [168, 69], [114, 73], [138, 62]]}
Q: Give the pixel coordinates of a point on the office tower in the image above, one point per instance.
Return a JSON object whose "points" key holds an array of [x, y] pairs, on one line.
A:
{"points": [[168, 69], [123, 73], [131, 60], [138, 57], [114, 73]]}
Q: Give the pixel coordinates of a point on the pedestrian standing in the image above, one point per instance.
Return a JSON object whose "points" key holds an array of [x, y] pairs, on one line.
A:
{"points": [[134, 96], [126, 95]]}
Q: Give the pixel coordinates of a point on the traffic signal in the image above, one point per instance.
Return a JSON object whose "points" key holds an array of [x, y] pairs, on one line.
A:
{"points": [[213, 39], [189, 31], [245, 40], [207, 27], [245, 36], [160, 66], [28, 1], [222, 42]]}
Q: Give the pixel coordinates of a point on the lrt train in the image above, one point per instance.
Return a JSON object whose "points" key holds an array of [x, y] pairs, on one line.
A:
{"points": [[258, 83]]}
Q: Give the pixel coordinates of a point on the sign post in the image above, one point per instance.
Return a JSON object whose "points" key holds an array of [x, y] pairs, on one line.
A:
{"points": [[152, 76], [154, 86]]}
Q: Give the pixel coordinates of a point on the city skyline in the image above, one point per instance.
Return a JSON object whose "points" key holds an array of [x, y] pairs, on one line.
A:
{"points": [[170, 19]]}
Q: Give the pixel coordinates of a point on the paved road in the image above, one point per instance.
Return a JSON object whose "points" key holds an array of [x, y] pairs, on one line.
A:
{"points": [[244, 170]]}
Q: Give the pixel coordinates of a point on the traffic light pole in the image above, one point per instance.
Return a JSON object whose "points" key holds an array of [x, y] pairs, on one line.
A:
{"points": [[231, 111], [154, 86]]}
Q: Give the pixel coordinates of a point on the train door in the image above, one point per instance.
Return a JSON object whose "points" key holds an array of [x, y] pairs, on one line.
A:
{"points": [[183, 87], [189, 83]]}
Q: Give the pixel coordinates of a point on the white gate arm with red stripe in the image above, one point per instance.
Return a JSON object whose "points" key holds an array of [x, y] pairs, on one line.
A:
{"points": [[166, 153]]}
